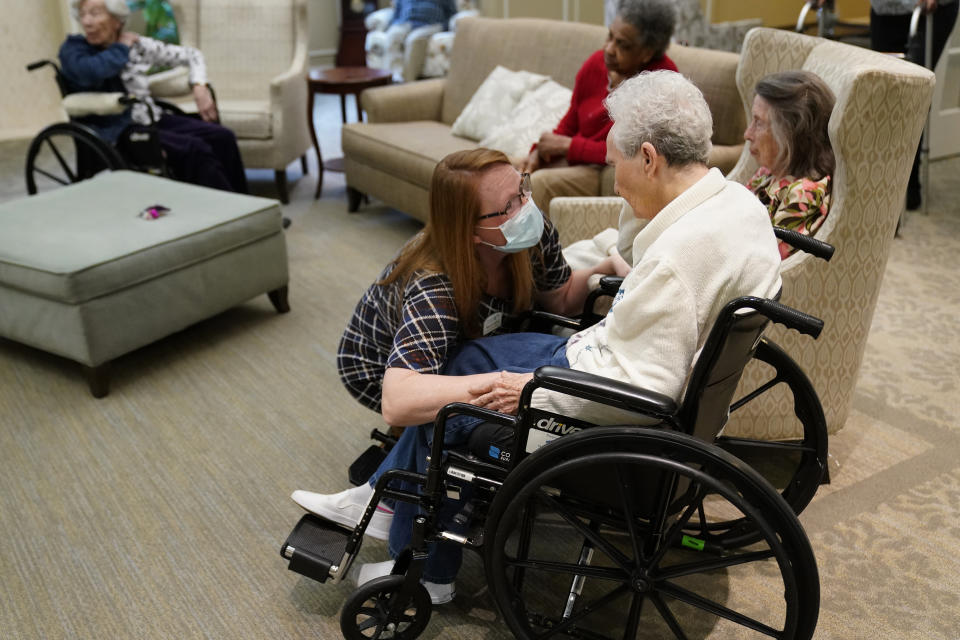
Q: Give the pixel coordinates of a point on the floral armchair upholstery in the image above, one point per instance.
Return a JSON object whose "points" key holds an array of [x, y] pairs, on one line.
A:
{"points": [[407, 52], [874, 129]]}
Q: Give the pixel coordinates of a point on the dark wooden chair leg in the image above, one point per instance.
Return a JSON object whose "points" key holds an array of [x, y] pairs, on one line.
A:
{"points": [[353, 199], [303, 164], [280, 177], [98, 378], [279, 299]]}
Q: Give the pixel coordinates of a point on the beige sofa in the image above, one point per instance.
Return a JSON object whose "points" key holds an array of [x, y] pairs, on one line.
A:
{"points": [[392, 156]]}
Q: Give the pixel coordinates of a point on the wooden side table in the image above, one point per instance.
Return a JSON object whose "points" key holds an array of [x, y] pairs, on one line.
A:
{"points": [[339, 81]]}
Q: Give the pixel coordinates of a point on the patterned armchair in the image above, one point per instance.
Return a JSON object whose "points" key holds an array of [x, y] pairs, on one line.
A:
{"points": [[874, 129], [694, 30], [256, 54], [411, 53]]}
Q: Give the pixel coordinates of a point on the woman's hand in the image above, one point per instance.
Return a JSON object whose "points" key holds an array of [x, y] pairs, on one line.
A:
{"points": [[501, 394], [553, 146], [929, 6], [620, 266], [128, 38], [531, 163], [206, 107]]}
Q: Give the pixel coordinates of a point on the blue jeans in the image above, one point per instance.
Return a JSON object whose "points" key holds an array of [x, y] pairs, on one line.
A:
{"points": [[515, 352]]}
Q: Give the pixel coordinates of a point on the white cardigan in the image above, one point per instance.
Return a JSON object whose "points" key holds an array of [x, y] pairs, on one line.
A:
{"points": [[711, 244]]}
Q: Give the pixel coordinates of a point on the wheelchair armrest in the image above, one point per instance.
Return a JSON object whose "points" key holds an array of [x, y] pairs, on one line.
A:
{"points": [[98, 103], [604, 390], [797, 240], [610, 285]]}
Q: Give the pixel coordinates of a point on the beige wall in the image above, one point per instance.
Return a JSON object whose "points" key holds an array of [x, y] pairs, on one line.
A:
{"points": [[778, 13], [30, 30], [577, 10], [323, 17]]}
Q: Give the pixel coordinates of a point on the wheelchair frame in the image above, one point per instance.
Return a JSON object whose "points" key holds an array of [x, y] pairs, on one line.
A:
{"points": [[92, 153], [708, 515]]}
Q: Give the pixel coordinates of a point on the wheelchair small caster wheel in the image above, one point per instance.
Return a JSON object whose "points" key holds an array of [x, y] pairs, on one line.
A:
{"points": [[374, 611]]}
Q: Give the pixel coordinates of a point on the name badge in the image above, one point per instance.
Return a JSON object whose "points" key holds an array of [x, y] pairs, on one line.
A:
{"points": [[492, 323]]}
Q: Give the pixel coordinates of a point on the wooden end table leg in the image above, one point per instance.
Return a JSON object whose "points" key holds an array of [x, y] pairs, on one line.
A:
{"points": [[98, 379], [279, 299], [313, 136]]}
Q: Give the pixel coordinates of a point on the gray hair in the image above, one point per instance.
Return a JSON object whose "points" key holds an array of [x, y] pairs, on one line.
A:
{"points": [[800, 107], [664, 109], [654, 20], [117, 8]]}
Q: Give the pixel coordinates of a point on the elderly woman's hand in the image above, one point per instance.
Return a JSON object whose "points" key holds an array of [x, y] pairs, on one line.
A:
{"points": [[128, 38], [206, 107], [503, 394], [553, 146], [531, 163]]}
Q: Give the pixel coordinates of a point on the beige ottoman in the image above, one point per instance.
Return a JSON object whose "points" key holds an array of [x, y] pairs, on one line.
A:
{"points": [[82, 276]]}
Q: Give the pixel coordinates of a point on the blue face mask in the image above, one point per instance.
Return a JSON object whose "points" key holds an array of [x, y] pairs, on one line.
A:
{"points": [[522, 231]]}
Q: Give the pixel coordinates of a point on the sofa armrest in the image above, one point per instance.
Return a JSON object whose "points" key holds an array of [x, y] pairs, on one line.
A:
{"points": [[378, 20], [404, 102], [460, 15], [415, 50], [581, 218]]}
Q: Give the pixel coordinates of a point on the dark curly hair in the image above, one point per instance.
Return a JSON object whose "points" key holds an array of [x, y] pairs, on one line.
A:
{"points": [[654, 20]]}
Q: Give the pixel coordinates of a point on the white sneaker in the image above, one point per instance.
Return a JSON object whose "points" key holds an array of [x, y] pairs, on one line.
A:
{"points": [[347, 508], [439, 593]]}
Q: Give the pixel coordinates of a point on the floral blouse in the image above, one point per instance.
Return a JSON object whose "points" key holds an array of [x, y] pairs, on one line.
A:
{"points": [[799, 205]]}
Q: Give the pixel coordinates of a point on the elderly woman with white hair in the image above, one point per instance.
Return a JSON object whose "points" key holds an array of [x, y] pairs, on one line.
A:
{"points": [[107, 58], [708, 241]]}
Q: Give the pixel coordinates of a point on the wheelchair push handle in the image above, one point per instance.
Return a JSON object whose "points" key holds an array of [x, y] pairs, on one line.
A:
{"points": [[37, 64], [814, 247], [782, 314]]}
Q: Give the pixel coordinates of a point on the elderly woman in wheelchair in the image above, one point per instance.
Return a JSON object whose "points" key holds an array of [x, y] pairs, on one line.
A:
{"points": [[607, 517], [108, 60]]}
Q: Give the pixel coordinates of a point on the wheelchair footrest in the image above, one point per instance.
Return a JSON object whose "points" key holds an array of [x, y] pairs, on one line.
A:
{"points": [[364, 466], [314, 546]]}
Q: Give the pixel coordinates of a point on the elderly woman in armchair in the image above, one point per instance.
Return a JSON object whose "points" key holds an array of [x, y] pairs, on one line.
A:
{"points": [[789, 139], [107, 58]]}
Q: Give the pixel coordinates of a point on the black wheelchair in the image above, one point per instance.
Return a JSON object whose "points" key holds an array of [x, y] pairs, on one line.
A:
{"points": [[68, 152], [577, 536]]}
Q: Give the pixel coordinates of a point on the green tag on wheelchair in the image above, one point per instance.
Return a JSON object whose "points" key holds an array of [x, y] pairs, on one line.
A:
{"points": [[693, 543]]}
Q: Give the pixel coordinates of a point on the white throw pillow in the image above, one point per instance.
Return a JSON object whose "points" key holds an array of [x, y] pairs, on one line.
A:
{"points": [[538, 111], [493, 101]]}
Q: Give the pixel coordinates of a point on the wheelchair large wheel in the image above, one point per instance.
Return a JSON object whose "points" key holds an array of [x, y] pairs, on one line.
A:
{"points": [[65, 153], [795, 467], [374, 611], [592, 537]]}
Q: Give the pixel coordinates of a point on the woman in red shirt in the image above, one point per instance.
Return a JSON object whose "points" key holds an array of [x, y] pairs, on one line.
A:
{"points": [[565, 162]]}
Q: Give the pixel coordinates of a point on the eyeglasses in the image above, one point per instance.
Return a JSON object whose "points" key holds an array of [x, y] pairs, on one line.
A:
{"points": [[516, 201]]}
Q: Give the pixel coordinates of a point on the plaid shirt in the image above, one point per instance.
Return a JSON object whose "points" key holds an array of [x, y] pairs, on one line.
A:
{"points": [[422, 12], [414, 324]]}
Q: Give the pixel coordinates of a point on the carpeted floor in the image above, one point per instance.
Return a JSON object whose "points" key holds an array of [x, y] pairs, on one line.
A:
{"points": [[158, 511]]}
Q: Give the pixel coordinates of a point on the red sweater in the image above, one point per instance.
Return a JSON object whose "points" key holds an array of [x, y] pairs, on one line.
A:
{"points": [[587, 121]]}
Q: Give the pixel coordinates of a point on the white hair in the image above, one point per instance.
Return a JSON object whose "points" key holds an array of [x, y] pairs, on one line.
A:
{"points": [[117, 8], [666, 110]]}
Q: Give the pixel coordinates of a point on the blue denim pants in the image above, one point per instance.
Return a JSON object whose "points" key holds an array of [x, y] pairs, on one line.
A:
{"points": [[515, 352]]}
